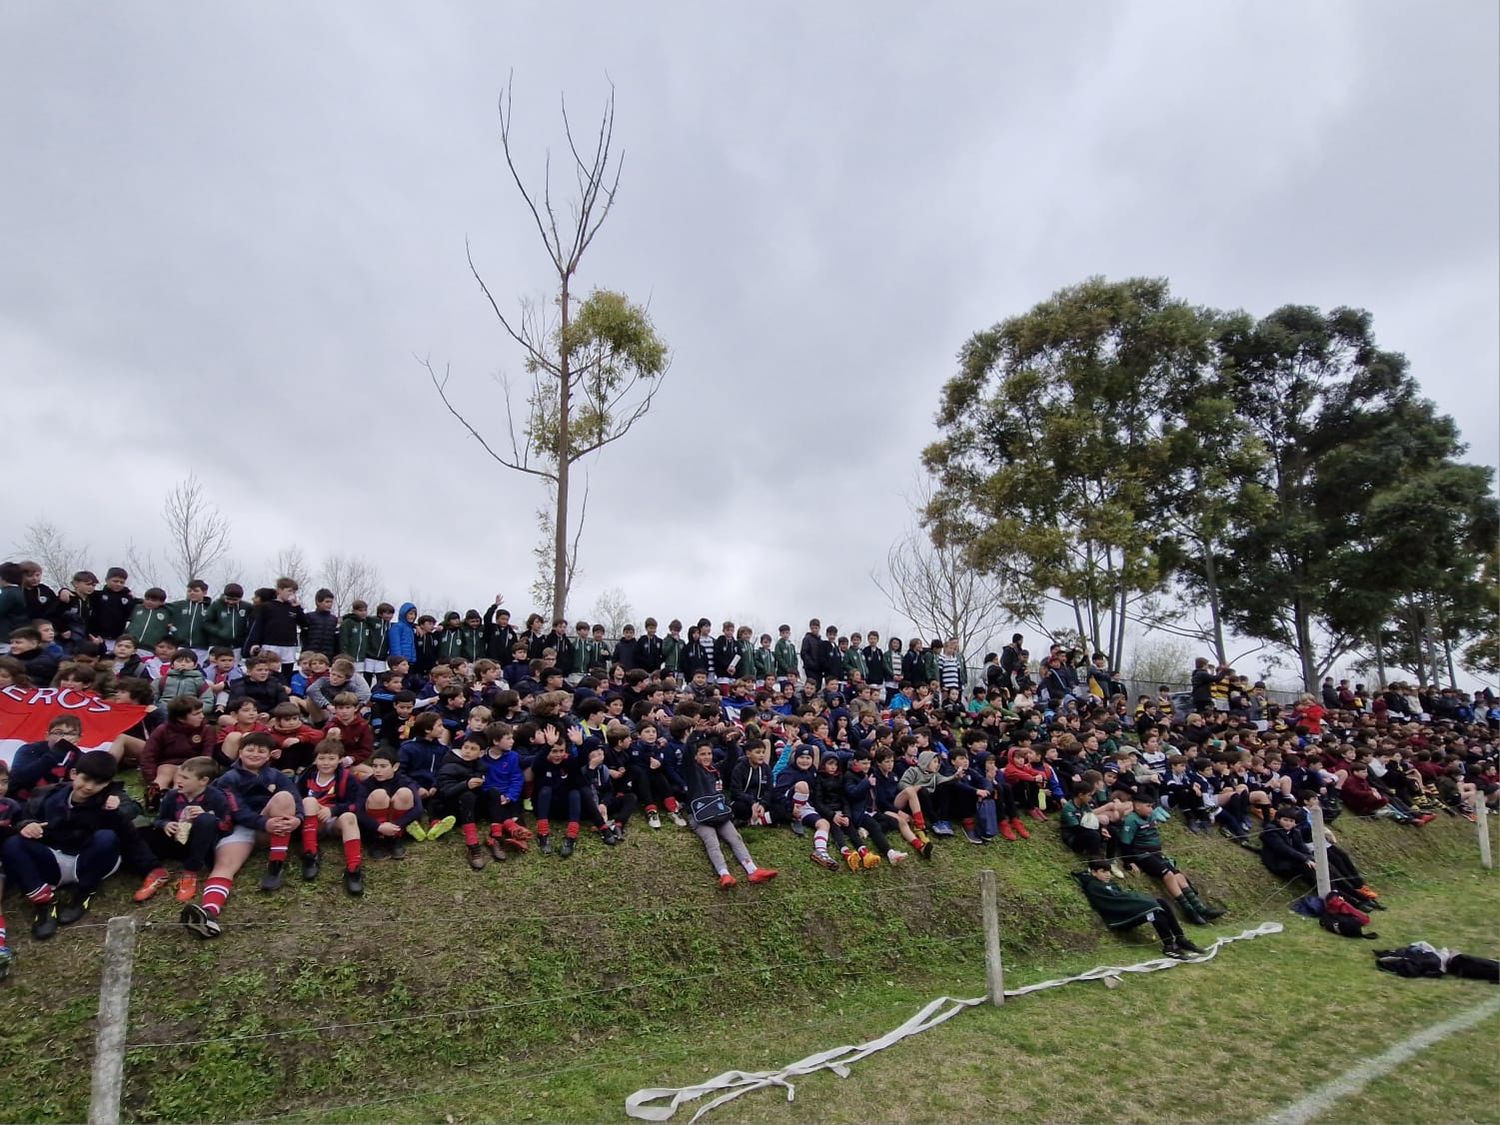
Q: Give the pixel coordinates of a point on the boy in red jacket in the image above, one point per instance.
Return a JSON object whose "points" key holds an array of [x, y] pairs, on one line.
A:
{"points": [[295, 741], [353, 732], [181, 737]]}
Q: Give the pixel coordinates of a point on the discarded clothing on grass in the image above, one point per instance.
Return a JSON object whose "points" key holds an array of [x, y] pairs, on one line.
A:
{"points": [[1423, 960]]}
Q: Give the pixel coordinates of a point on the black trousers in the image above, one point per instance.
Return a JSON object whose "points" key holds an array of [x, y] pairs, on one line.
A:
{"points": [[198, 853]]}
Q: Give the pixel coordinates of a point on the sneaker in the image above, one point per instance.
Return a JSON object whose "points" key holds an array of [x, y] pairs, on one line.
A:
{"points": [[1172, 949], [398, 849], [653, 820], [942, 828], [497, 849], [271, 880], [377, 849], [151, 884], [972, 836], [925, 849], [568, 845], [517, 831], [416, 831], [1117, 869], [894, 857], [546, 844], [44, 921], [310, 866], [187, 887], [199, 921], [823, 859], [1007, 831], [73, 906], [677, 819], [798, 828], [1019, 828], [477, 859], [1425, 818], [1188, 945], [851, 857], [1038, 814], [610, 836], [727, 880], [763, 874], [526, 804], [520, 845], [440, 827], [870, 859], [7, 958], [354, 880]]}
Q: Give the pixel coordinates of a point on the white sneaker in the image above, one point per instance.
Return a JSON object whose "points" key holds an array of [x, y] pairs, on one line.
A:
{"points": [[1116, 869], [653, 820], [893, 856], [677, 820]]}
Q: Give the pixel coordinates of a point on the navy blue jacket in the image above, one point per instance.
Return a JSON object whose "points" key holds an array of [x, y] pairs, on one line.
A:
{"points": [[250, 792]]}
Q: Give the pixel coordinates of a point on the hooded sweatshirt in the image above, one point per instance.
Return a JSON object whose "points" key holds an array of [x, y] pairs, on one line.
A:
{"points": [[924, 775], [402, 638]]}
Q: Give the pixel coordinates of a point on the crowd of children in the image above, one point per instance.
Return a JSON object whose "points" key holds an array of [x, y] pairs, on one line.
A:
{"points": [[276, 727]]}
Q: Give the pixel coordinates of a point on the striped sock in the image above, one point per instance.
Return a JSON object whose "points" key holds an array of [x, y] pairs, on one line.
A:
{"points": [[279, 845], [42, 895], [216, 894], [820, 841]]}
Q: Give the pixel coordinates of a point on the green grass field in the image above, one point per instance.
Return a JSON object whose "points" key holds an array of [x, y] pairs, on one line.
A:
{"points": [[544, 989]]}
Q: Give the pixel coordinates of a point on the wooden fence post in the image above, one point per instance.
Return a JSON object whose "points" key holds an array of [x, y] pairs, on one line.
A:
{"points": [[994, 971], [114, 1019]]}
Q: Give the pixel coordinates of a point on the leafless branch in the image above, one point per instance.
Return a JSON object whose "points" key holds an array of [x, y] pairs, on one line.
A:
{"points": [[518, 463], [197, 532]]}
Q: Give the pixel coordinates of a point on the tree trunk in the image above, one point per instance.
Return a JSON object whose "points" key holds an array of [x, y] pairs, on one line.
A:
{"points": [[1211, 580], [1432, 658], [564, 406], [1305, 655], [1379, 660]]}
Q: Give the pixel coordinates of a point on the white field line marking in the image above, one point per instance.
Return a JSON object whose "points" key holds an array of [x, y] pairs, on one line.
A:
{"points": [[1359, 1076]]}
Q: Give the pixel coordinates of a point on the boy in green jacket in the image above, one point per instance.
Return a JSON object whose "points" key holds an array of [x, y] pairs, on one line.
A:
{"points": [[1124, 909], [150, 621], [785, 655], [190, 619]]}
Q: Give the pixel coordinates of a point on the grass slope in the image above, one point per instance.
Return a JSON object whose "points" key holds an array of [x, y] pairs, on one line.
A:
{"points": [[542, 989]]}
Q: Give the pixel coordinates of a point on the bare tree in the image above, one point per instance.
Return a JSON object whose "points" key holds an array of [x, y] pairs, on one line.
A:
{"points": [[938, 592], [197, 532], [142, 566], [351, 579], [595, 367], [612, 610], [1161, 660], [291, 562], [60, 557]]}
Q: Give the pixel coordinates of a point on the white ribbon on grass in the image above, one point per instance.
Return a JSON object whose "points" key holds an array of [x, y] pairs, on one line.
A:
{"points": [[734, 1083]]}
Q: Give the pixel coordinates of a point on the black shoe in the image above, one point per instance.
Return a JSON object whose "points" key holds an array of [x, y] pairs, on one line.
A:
{"points": [[354, 881], [1187, 945], [567, 847], [72, 905], [398, 850], [199, 921], [271, 880], [925, 850], [1211, 912], [545, 847], [44, 921], [310, 866], [1172, 949]]}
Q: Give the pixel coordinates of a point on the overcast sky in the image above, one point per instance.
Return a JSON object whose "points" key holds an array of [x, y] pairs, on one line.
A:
{"points": [[225, 230]]}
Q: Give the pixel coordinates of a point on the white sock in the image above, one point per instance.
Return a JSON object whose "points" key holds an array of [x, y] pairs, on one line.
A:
{"points": [[749, 866], [723, 871]]}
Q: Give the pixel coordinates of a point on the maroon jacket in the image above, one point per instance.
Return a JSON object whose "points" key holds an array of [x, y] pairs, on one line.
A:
{"points": [[171, 744], [1360, 796]]}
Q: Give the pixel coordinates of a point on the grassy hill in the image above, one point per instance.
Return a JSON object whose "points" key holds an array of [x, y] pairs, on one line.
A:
{"points": [[548, 989]]}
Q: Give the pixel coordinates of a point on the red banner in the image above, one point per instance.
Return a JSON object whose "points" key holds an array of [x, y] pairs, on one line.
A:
{"points": [[25, 713]]}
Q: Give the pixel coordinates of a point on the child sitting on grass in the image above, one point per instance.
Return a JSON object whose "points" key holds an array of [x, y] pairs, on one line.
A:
{"points": [[1123, 909], [713, 821], [1140, 848]]}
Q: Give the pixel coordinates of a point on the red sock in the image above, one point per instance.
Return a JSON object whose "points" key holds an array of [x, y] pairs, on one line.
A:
{"points": [[42, 895], [216, 894], [969, 823], [497, 831], [572, 832], [671, 803], [471, 834], [353, 854], [650, 809], [379, 816], [279, 845], [543, 828], [310, 835], [918, 821]]}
